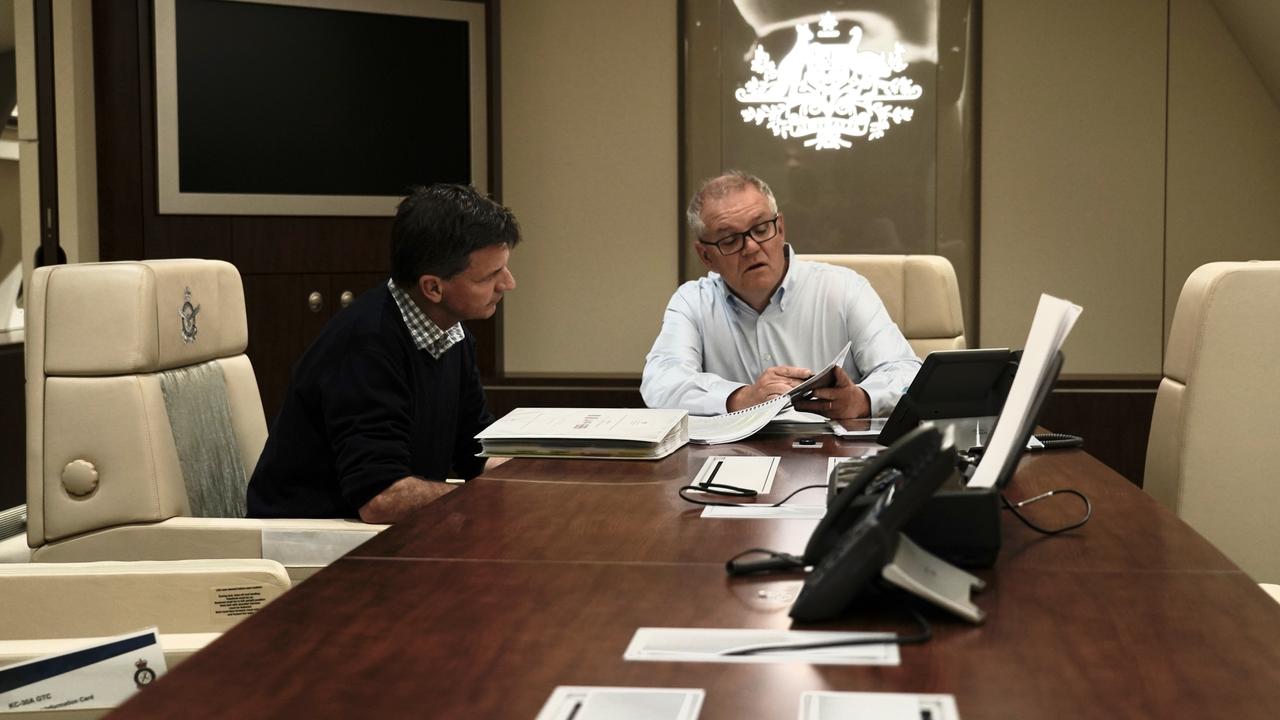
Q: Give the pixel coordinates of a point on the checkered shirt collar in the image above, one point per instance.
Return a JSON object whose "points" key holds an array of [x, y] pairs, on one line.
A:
{"points": [[426, 334]]}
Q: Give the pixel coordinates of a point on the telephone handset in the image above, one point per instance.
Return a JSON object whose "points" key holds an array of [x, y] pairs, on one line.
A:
{"points": [[859, 533]]}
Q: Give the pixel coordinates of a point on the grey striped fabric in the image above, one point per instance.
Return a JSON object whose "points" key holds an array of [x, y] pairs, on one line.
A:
{"points": [[13, 521], [195, 398]]}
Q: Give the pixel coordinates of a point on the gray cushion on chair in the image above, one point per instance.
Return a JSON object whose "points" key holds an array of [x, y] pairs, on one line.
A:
{"points": [[195, 399]]}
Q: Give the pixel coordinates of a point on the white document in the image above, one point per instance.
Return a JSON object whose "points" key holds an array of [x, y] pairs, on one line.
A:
{"points": [[668, 644], [1049, 329], [749, 472], [95, 676], [766, 512], [826, 705], [584, 702], [642, 425], [645, 434]]}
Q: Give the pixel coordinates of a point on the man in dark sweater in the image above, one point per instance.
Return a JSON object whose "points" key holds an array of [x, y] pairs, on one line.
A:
{"points": [[387, 401]]}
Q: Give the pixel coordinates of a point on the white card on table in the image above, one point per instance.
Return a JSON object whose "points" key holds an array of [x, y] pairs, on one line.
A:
{"points": [[584, 702]]}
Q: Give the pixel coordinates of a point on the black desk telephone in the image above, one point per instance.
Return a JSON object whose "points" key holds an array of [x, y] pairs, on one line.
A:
{"points": [[859, 534]]}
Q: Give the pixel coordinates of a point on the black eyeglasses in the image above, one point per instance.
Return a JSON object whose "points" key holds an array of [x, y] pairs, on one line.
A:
{"points": [[733, 244]]}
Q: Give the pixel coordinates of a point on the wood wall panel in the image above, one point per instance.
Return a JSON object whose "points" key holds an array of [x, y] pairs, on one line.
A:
{"points": [[1114, 418], [13, 427], [310, 244], [119, 126]]}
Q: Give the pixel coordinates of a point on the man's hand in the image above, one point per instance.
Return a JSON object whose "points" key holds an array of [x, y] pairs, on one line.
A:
{"points": [[771, 383], [842, 401], [401, 498]]}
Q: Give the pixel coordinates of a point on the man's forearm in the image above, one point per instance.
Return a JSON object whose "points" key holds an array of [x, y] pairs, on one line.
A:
{"points": [[401, 498]]}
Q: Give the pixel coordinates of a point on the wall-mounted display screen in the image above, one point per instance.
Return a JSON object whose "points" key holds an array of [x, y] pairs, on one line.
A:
{"points": [[316, 107]]}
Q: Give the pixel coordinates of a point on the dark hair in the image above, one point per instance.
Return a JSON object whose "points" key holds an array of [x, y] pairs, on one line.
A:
{"points": [[438, 227]]}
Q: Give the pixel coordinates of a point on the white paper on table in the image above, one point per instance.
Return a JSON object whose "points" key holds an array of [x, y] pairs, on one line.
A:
{"points": [[99, 675], [667, 644], [749, 472], [587, 702], [868, 428], [766, 512], [1049, 329], [824, 705]]}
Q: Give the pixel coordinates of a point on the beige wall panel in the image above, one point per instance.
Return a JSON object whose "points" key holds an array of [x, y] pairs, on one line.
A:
{"points": [[1072, 175], [1224, 151], [589, 167]]}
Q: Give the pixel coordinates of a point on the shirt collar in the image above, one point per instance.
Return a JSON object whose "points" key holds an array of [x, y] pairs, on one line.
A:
{"points": [[425, 333], [789, 280]]}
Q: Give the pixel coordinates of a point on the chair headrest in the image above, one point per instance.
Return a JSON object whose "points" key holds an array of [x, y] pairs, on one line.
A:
{"points": [[1236, 298], [137, 317]]}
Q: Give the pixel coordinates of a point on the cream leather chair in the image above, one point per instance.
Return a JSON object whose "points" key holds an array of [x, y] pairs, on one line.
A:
{"points": [[59, 607], [919, 291], [1211, 456], [144, 421]]}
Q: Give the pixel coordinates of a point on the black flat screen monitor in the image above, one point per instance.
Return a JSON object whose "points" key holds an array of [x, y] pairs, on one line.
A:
{"points": [[953, 384], [316, 107]]}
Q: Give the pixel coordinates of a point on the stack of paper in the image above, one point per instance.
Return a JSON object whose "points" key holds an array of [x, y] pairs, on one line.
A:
{"points": [[1052, 323], [734, 426], [586, 432]]}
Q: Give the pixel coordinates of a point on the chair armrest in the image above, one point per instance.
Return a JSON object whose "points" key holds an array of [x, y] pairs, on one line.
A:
{"points": [[300, 545], [69, 600]]}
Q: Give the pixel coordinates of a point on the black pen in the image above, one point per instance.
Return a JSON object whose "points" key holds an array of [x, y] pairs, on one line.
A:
{"points": [[712, 476]]}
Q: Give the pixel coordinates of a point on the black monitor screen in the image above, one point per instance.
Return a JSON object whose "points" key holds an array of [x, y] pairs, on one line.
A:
{"points": [[283, 100]]}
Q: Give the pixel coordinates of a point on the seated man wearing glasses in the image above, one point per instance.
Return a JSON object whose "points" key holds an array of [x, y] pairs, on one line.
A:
{"points": [[761, 321]]}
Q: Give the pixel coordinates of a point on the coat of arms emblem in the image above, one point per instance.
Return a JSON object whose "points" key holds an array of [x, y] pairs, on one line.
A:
{"points": [[188, 316], [826, 91]]}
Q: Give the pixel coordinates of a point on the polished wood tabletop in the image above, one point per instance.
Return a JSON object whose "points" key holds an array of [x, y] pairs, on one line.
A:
{"points": [[539, 573]]}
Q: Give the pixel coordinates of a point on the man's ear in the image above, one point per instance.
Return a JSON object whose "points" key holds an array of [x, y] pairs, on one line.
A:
{"points": [[704, 254], [432, 288]]}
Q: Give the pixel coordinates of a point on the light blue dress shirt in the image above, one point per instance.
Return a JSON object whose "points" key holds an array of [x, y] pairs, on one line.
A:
{"points": [[713, 343]]}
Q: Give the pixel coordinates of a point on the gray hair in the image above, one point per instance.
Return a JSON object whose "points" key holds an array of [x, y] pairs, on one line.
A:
{"points": [[730, 182]]}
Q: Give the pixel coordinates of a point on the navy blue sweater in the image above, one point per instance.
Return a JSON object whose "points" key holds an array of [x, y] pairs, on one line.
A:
{"points": [[365, 408]]}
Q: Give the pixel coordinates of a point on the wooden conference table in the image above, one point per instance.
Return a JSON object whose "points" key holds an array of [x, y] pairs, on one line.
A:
{"points": [[538, 574]]}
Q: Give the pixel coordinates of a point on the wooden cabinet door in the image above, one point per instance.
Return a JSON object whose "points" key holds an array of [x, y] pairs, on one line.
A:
{"points": [[285, 314]]}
